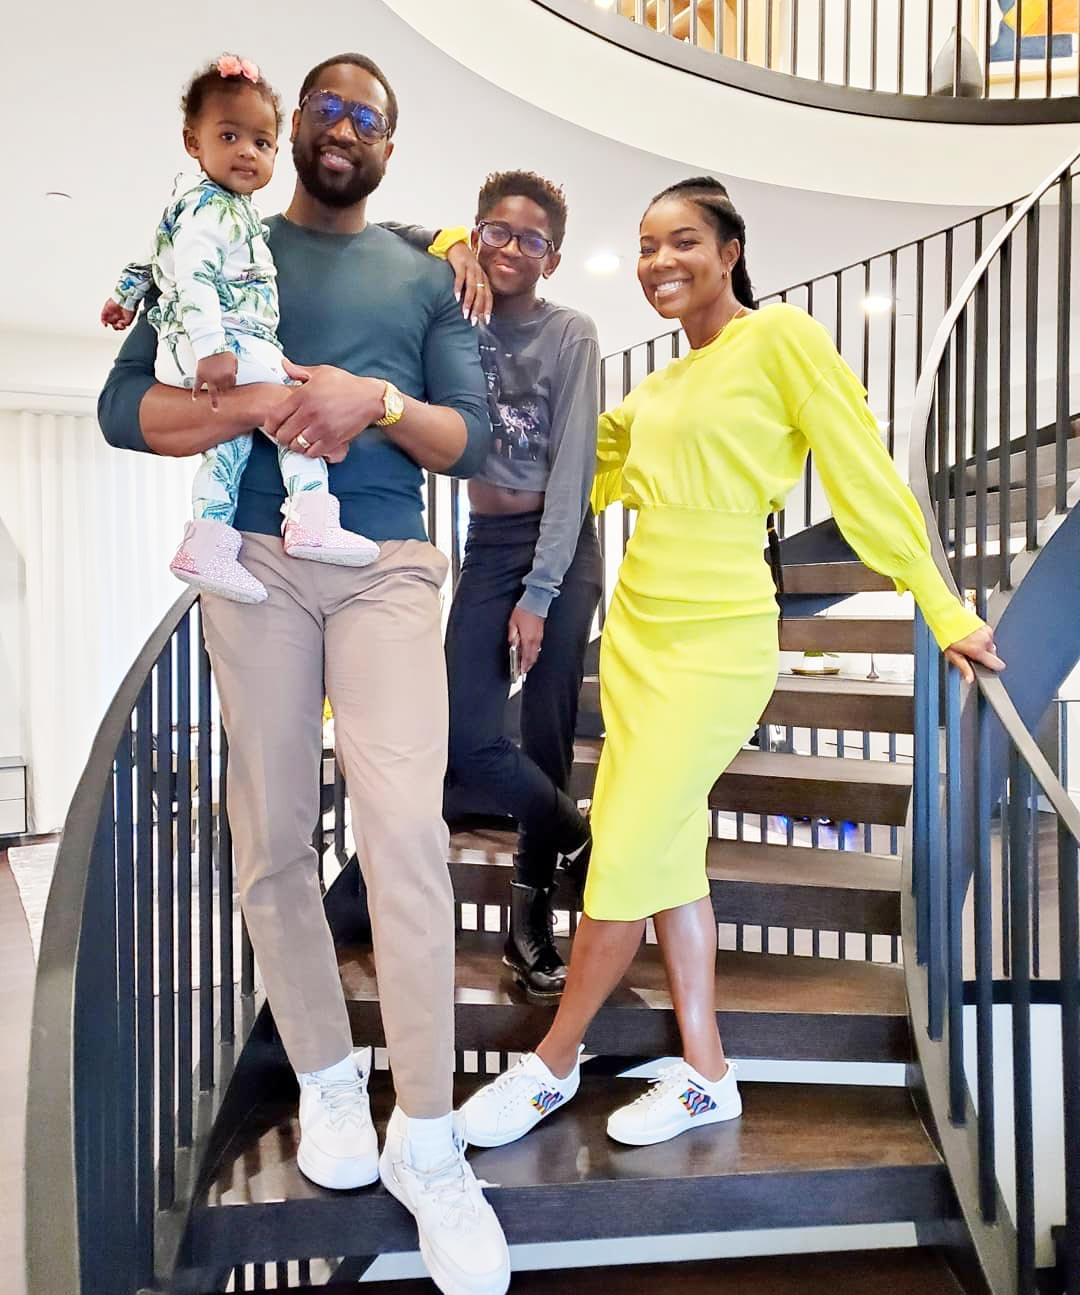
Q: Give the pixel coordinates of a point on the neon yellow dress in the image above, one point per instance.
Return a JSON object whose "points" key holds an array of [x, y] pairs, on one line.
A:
{"points": [[704, 450]]}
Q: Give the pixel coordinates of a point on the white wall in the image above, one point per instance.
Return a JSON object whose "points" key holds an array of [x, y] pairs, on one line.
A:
{"points": [[1048, 1116], [86, 533]]}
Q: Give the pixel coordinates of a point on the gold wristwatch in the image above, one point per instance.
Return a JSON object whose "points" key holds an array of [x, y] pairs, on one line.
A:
{"points": [[393, 405]]}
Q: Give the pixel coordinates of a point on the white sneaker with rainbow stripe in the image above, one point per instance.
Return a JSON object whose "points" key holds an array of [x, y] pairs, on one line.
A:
{"points": [[516, 1102], [677, 1099]]}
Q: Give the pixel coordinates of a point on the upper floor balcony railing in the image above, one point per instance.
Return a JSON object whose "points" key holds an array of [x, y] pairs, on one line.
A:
{"points": [[978, 49]]}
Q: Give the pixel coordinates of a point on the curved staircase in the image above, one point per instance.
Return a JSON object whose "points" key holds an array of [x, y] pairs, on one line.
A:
{"points": [[170, 1161]]}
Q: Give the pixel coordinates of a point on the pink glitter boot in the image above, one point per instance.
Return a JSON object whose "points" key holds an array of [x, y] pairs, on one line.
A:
{"points": [[206, 559], [313, 531]]}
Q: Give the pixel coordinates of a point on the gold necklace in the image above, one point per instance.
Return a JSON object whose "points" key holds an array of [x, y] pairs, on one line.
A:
{"points": [[738, 314]]}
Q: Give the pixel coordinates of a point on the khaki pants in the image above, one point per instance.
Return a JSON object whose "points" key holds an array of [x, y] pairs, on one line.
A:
{"points": [[371, 637]]}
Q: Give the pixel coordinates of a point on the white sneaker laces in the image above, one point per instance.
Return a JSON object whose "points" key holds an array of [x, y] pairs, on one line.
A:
{"points": [[513, 1081], [667, 1081], [343, 1100], [455, 1190]]}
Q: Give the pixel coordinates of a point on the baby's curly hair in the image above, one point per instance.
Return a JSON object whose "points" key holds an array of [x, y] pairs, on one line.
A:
{"points": [[525, 184], [211, 80]]}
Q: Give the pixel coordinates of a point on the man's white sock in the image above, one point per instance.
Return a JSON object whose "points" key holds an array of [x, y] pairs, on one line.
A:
{"points": [[431, 1142]]}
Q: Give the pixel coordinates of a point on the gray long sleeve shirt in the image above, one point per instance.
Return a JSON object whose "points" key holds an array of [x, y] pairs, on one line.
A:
{"points": [[543, 376]]}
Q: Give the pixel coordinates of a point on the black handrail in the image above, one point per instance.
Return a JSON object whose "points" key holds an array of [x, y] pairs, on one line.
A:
{"points": [[789, 70], [54, 1264], [983, 788]]}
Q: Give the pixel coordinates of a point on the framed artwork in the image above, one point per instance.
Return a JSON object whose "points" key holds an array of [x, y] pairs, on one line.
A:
{"points": [[1041, 22]]}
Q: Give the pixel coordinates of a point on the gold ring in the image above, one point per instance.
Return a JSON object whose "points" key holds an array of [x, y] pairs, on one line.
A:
{"points": [[303, 442]]}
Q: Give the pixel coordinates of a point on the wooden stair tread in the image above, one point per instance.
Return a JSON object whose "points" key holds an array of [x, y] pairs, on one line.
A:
{"points": [[751, 883], [834, 578], [728, 860], [771, 782], [769, 1005], [847, 634], [866, 1272], [801, 1155]]}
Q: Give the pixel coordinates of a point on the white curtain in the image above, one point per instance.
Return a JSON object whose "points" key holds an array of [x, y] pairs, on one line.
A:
{"points": [[86, 533]]}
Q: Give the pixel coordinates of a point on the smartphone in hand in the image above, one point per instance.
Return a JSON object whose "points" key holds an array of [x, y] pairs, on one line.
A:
{"points": [[515, 662]]}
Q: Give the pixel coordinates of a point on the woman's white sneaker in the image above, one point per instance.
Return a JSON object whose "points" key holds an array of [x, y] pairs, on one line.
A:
{"points": [[461, 1240], [678, 1099], [516, 1102], [338, 1146]]}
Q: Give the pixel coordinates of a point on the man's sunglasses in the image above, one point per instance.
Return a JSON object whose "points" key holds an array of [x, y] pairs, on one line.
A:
{"points": [[495, 233], [325, 109]]}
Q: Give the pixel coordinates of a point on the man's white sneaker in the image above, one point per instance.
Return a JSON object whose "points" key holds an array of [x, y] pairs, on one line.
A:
{"points": [[516, 1102], [461, 1240], [338, 1146], [678, 1099]]}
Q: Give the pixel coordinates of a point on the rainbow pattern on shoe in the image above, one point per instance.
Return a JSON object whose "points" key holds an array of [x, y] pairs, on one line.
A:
{"points": [[546, 1100], [697, 1102]]}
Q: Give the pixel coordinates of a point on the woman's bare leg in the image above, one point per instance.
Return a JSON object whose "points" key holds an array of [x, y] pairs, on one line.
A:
{"points": [[601, 954], [687, 937]]}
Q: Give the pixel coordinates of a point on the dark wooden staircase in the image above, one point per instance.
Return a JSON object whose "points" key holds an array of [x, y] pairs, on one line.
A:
{"points": [[803, 1154]]}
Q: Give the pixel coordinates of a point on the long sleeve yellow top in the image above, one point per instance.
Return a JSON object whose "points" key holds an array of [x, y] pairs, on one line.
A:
{"points": [[728, 427]]}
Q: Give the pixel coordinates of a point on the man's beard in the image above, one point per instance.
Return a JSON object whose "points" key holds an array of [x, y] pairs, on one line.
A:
{"points": [[346, 192]]}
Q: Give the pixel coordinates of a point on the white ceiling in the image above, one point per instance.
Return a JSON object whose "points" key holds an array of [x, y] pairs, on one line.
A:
{"points": [[88, 102]]}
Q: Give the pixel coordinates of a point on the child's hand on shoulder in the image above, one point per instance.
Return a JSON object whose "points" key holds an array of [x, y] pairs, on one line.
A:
{"points": [[215, 374], [113, 315]]}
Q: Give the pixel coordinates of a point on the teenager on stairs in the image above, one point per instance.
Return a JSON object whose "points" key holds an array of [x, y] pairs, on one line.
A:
{"points": [[703, 450], [531, 578]]}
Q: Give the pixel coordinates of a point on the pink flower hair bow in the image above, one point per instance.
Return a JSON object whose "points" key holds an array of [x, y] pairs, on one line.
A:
{"points": [[231, 65]]}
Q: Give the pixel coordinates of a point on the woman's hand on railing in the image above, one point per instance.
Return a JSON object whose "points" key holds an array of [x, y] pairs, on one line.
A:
{"points": [[978, 646]]}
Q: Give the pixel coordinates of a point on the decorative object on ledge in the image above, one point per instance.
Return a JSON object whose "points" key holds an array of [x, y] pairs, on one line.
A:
{"points": [[957, 71]]}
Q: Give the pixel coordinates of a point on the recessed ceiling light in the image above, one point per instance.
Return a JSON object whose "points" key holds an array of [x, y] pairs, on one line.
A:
{"points": [[604, 4], [57, 195], [877, 305], [603, 263]]}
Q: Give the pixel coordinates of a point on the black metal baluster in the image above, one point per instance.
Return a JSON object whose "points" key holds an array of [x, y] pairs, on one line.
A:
{"points": [[959, 46], [982, 346], [847, 42], [794, 37], [1049, 57], [900, 47], [124, 1186], [743, 33], [1018, 14], [433, 508], [206, 873], [1031, 380], [929, 60], [184, 995], [1005, 410], [893, 312], [455, 532], [1064, 368], [960, 449], [821, 40], [145, 1194], [935, 862], [1019, 880], [984, 965], [166, 943], [227, 988], [873, 43], [956, 883]]}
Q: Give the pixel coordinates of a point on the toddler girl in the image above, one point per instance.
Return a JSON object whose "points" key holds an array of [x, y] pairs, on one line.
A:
{"points": [[216, 320]]}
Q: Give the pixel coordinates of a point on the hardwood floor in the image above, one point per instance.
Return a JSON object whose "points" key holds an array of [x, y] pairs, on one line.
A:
{"points": [[16, 995]]}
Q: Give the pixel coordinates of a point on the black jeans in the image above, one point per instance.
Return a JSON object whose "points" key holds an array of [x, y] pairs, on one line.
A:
{"points": [[486, 769]]}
